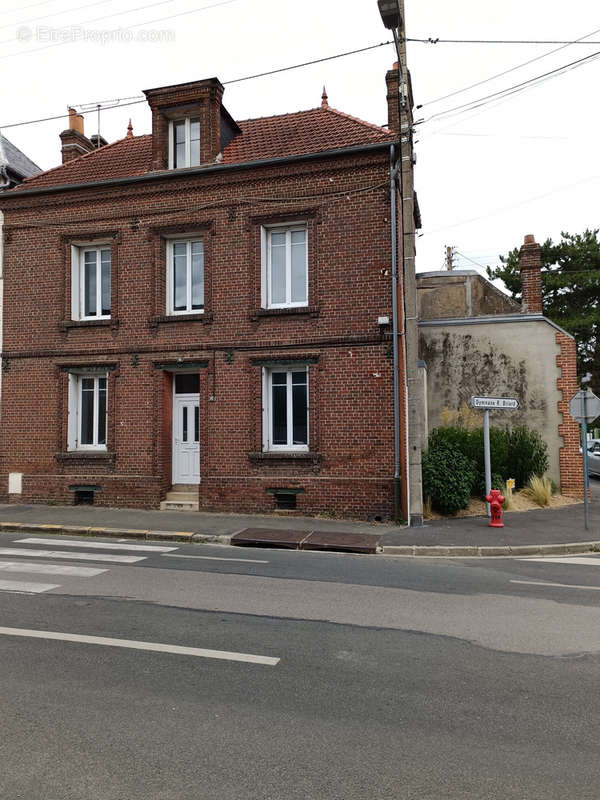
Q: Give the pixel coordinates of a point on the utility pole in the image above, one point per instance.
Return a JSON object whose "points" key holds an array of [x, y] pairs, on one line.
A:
{"points": [[450, 251], [409, 396]]}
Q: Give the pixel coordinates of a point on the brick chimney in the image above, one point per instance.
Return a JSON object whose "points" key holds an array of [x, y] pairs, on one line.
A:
{"points": [[74, 141], [391, 80], [530, 262]]}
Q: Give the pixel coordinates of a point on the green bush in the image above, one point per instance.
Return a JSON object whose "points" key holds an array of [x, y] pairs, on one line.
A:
{"points": [[520, 454], [448, 476], [528, 454]]}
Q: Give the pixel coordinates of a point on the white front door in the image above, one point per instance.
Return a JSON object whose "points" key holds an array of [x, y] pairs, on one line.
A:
{"points": [[186, 439]]}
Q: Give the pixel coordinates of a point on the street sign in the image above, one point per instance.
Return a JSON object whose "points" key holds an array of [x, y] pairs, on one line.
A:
{"points": [[494, 402], [487, 404], [592, 406]]}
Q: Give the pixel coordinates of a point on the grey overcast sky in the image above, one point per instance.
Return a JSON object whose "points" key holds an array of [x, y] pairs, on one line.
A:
{"points": [[485, 178]]}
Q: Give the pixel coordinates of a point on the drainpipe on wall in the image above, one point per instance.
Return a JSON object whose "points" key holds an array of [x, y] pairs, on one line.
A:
{"points": [[1, 292], [393, 176]]}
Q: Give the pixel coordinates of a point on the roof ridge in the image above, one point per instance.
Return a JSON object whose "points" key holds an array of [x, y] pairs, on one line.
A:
{"points": [[372, 125], [93, 152], [319, 109], [277, 116]]}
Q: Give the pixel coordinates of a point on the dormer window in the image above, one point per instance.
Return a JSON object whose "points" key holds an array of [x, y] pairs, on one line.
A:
{"points": [[184, 143]]}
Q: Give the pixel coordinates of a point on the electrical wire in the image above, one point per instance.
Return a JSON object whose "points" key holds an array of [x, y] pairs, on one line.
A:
{"points": [[53, 14], [234, 80], [511, 69], [121, 13], [567, 42], [515, 88], [23, 8]]}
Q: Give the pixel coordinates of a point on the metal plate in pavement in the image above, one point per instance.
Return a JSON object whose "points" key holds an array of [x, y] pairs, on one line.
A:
{"points": [[266, 537]]}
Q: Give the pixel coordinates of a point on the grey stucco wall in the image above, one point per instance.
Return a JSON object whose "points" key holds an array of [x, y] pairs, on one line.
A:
{"points": [[501, 359]]}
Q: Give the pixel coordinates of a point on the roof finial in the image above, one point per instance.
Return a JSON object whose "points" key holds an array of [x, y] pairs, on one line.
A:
{"points": [[324, 103], [130, 129]]}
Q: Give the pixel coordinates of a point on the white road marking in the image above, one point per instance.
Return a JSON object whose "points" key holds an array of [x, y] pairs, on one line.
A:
{"points": [[216, 558], [97, 545], [21, 551], [154, 647], [30, 588], [50, 569], [559, 585], [589, 560]]}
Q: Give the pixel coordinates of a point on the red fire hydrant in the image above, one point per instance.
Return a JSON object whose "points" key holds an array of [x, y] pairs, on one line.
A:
{"points": [[495, 499]]}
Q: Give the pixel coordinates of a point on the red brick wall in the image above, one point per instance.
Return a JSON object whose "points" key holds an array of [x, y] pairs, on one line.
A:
{"points": [[571, 468], [351, 415]]}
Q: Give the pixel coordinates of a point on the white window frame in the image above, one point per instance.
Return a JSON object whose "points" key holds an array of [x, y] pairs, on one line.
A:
{"points": [[267, 380], [78, 249], [266, 232], [188, 142], [75, 398], [170, 305]]}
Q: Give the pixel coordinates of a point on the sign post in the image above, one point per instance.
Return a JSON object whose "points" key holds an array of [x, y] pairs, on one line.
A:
{"points": [[584, 407], [485, 404]]}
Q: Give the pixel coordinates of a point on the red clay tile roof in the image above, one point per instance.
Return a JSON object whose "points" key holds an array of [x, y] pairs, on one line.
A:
{"points": [[311, 131]]}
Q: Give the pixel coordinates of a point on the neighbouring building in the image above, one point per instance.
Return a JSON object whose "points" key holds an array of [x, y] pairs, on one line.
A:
{"points": [[200, 317], [14, 165], [475, 340]]}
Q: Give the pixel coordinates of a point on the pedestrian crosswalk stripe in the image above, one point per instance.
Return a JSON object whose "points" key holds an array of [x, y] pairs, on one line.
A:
{"points": [[153, 647], [21, 551], [97, 545], [50, 569], [20, 586], [589, 561]]}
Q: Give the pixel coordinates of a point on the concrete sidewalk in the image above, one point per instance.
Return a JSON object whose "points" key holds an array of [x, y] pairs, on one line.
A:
{"points": [[541, 531]]}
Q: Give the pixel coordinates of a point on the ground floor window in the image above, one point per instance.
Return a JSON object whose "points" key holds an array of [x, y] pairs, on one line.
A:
{"points": [[87, 412], [286, 409]]}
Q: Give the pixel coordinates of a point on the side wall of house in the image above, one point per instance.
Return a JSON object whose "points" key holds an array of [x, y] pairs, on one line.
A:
{"points": [[528, 360], [349, 467]]}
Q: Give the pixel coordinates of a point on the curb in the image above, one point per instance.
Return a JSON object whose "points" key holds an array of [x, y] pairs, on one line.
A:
{"points": [[414, 550], [117, 533], [487, 552]]}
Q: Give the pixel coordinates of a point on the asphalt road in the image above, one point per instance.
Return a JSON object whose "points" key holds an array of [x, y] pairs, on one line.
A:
{"points": [[327, 676]]}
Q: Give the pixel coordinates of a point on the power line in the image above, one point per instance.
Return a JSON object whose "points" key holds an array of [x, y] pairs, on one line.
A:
{"points": [[567, 42], [23, 8], [508, 71], [133, 25], [517, 87], [53, 14], [118, 104]]}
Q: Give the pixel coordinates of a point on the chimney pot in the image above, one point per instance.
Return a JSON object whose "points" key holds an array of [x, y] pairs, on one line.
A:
{"points": [[529, 238]]}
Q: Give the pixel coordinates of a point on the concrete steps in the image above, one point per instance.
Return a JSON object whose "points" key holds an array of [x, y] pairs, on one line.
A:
{"points": [[181, 498]]}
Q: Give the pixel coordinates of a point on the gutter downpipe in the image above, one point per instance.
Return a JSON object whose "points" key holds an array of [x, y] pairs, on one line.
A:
{"points": [[393, 174]]}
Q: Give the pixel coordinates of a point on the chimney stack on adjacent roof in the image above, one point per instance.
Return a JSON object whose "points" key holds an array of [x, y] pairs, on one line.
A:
{"points": [[530, 261], [393, 89], [74, 141]]}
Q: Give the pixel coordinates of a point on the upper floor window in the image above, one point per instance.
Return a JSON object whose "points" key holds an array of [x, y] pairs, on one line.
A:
{"points": [[90, 282], [184, 143], [185, 276], [285, 266]]}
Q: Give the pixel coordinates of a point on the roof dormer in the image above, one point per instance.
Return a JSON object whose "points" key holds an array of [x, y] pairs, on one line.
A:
{"points": [[190, 126]]}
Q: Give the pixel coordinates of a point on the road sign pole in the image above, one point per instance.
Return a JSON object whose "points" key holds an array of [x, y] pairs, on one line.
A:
{"points": [[486, 457], [586, 477]]}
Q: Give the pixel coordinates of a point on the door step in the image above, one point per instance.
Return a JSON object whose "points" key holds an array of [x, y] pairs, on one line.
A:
{"points": [[182, 505], [180, 500]]}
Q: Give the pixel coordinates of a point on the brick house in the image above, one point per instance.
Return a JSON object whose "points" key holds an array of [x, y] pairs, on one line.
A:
{"points": [[201, 311]]}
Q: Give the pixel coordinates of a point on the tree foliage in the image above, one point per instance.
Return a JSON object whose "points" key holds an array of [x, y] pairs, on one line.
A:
{"points": [[570, 291]]}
